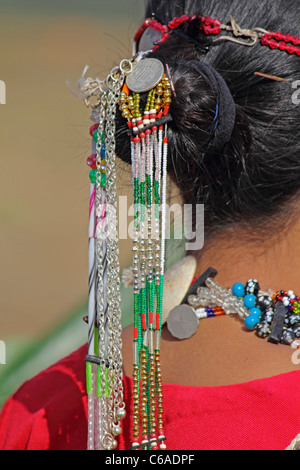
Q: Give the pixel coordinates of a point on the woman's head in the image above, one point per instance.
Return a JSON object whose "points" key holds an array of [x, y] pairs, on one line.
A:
{"points": [[254, 177]]}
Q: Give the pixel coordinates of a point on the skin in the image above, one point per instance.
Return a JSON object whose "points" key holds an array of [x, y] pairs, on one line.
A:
{"points": [[223, 352]]}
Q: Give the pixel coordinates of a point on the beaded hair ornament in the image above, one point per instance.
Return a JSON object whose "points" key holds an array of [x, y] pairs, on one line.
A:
{"points": [[148, 136], [147, 132]]}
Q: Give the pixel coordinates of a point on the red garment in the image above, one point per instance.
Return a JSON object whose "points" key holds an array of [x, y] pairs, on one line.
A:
{"points": [[49, 412]]}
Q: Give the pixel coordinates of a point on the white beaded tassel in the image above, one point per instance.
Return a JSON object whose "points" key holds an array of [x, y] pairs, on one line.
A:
{"points": [[164, 201]]}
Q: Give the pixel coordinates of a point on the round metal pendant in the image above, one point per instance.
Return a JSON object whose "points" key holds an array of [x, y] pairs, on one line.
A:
{"points": [[182, 322], [146, 75]]}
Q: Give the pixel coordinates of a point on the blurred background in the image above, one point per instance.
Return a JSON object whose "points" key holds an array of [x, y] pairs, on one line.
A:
{"points": [[44, 186]]}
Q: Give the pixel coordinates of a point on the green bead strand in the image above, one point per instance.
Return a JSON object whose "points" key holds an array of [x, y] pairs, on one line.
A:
{"points": [[89, 378]]}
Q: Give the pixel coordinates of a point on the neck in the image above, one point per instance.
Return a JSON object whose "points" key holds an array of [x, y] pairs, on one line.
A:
{"points": [[273, 261]]}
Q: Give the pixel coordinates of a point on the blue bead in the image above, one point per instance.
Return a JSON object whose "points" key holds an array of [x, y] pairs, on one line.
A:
{"points": [[251, 322], [238, 289], [255, 311], [249, 301]]}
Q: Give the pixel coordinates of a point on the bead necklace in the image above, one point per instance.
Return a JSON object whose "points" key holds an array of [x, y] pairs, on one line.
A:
{"points": [[273, 315]]}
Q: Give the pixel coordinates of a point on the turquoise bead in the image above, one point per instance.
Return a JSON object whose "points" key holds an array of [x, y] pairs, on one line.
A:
{"points": [[251, 322], [238, 289], [255, 311], [249, 301], [93, 176]]}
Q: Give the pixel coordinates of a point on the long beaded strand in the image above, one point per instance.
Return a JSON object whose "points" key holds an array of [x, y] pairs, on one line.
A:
{"points": [[149, 162], [104, 360]]}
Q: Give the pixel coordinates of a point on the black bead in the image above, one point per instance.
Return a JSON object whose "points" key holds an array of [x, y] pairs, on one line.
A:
{"points": [[268, 316], [288, 336], [293, 320], [264, 301], [252, 287], [263, 329], [297, 331]]}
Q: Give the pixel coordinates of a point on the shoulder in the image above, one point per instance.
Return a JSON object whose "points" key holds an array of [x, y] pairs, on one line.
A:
{"points": [[47, 411]]}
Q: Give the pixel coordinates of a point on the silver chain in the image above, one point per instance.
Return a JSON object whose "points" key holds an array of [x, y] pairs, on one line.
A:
{"points": [[112, 406]]}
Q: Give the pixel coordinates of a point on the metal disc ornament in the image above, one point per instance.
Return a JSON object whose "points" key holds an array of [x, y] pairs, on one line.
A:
{"points": [[182, 322], [146, 75]]}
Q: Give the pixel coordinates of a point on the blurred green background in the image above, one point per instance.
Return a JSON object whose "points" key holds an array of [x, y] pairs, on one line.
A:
{"points": [[44, 186]]}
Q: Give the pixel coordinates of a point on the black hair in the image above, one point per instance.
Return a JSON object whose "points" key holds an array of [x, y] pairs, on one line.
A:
{"points": [[255, 178]]}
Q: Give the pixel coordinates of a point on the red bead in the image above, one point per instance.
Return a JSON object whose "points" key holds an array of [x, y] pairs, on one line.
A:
{"points": [[145, 437], [208, 29], [154, 128], [93, 129], [142, 135], [154, 448], [264, 41], [148, 132], [273, 44], [138, 34], [278, 36], [152, 116], [216, 30], [136, 140], [91, 161], [268, 35]]}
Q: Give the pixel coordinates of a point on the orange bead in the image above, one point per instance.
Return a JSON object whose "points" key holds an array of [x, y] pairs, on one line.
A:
{"points": [[126, 90]]}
